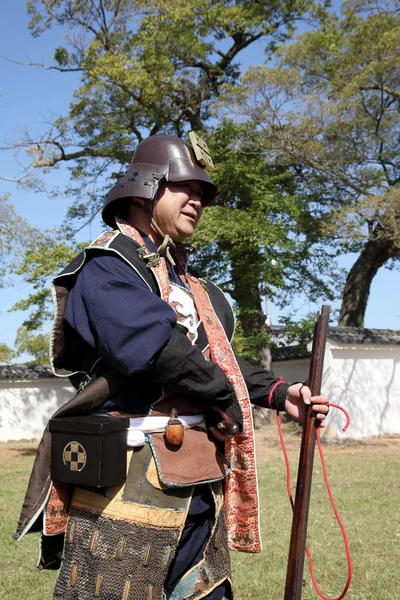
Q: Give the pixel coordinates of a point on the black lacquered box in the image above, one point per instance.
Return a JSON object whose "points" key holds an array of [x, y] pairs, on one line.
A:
{"points": [[89, 450]]}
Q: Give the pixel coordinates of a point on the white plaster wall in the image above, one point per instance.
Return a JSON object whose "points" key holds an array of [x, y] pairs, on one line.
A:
{"points": [[25, 407], [364, 380], [292, 370]]}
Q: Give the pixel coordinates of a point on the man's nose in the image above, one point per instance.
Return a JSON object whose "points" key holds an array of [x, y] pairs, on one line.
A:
{"points": [[195, 197]]}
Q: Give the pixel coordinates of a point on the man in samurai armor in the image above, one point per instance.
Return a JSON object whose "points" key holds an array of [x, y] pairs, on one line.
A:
{"points": [[142, 336]]}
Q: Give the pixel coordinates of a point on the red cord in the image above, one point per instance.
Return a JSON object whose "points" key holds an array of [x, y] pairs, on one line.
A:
{"points": [[279, 382], [345, 538]]}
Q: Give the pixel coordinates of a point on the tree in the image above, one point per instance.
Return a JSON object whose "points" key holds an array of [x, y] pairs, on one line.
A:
{"points": [[37, 345], [330, 112], [254, 239], [45, 256], [6, 354], [15, 234], [153, 67], [147, 67]]}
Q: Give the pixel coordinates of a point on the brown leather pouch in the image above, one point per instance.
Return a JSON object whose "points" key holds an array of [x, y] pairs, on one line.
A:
{"points": [[196, 460]]}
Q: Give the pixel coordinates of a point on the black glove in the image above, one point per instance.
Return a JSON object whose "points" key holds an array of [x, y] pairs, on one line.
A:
{"points": [[182, 369]]}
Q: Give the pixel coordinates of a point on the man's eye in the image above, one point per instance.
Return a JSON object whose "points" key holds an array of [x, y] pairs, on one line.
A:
{"points": [[198, 192], [189, 190]]}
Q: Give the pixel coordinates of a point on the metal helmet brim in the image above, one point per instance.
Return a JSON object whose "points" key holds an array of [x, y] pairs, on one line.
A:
{"points": [[157, 159]]}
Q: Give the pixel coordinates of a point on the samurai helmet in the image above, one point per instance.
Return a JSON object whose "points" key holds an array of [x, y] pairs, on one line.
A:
{"points": [[161, 158]]}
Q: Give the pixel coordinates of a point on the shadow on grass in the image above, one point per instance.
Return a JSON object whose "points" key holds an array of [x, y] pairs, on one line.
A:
{"points": [[27, 452], [377, 440], [10, 449]]}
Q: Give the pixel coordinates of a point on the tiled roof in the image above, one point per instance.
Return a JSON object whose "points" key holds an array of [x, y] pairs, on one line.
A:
{"points": [[289, 353], [359, 335], [25, 372], [342, 336]]}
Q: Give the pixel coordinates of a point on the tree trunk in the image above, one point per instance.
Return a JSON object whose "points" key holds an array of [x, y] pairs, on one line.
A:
{"points": [[376, 253], [252, 317], [247, 295]]}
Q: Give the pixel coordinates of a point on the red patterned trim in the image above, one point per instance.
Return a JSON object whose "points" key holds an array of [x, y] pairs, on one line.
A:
{"points": [[241, 490], [104, 240], [56, 510], [160, 270]]}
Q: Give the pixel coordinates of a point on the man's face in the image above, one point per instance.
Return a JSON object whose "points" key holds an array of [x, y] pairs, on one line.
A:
{"points": [[179, 209]]}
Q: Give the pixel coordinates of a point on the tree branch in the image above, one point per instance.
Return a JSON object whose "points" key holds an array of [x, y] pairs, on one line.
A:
{"points": [[23, 179], [68, 156], [240, 44], [391, 91], [116, 11], [42, 65], [289, 148], [127, 90]]}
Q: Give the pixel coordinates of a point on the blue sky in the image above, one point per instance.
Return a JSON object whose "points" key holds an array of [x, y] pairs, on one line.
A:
{"points": [[28, 96]]}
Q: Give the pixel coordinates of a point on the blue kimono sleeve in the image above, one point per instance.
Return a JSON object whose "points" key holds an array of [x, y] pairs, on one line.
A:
{"points": [[117, 315]]}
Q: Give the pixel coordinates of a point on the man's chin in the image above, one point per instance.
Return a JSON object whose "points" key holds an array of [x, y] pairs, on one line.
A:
{"points": [[181, 238], [183, 234]]}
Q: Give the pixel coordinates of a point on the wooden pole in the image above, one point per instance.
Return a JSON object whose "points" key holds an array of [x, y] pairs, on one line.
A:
{"points": [[294, 576]]}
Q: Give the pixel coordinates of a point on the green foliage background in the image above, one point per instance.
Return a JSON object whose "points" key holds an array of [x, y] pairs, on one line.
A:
{"points": [[306, 144]]}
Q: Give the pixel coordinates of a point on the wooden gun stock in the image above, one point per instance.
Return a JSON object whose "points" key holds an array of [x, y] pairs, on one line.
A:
{"points": [[294, 577]]}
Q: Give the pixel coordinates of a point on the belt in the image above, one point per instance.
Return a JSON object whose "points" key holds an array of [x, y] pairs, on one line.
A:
{"points": [[139, 426]]}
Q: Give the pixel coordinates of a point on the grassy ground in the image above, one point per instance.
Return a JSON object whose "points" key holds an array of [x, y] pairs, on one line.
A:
{"points": [[365, 481]]}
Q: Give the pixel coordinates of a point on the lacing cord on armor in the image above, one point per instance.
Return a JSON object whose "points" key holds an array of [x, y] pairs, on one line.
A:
{"points": [[167, 243], [325, 474]]}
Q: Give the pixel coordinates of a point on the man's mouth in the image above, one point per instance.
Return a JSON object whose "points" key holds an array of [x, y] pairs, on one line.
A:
{"points": [[191, 215]]}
